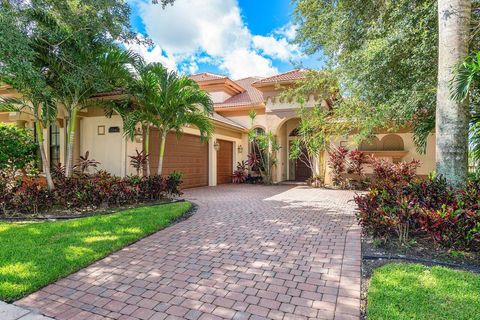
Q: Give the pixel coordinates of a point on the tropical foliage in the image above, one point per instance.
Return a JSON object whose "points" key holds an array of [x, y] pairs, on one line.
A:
{"points": [[318, 124], [166, 101], [465, 84], [385, 55], [399, 205], [382, 53], [29, 196], [266, 147], [18, 149], [65, 50]]}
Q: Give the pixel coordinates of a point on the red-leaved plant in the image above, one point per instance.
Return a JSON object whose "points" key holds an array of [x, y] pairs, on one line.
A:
{"points": [[356, 161], [240, 174], [337, 163]]}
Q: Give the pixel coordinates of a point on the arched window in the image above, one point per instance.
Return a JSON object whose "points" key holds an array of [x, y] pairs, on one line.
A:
{"points": [[392, 142], [370, 145], [294, 133]]}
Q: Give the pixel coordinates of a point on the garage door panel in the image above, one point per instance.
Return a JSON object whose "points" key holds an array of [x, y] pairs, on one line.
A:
{"points": [[224, 162], [186, 153]]}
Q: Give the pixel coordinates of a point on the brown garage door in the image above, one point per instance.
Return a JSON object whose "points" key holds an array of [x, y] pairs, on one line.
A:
{"points": [[187, 154], [224, 162]]}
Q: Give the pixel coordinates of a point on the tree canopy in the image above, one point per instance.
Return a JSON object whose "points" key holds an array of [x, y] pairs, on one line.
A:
{"points": [[384, 54]]}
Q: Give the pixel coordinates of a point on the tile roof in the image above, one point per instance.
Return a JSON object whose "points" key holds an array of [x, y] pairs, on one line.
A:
{"points": [[282, 77], [206, 76], [251, 96], [219, 118]]}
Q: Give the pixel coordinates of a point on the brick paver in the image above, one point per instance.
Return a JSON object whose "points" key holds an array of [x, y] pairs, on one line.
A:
{"points": [[250, 252]]}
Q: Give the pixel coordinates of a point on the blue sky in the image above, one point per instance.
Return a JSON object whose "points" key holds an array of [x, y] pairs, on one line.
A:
{"points": [[238, 38]]}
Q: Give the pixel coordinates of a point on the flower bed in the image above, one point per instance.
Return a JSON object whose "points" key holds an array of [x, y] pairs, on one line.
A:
{"points": [[399, 205], [30, 196]]}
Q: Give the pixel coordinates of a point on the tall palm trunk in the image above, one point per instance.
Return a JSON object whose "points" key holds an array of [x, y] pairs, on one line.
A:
{"points": [[163, 139], [71, 128], [452, 116], [146, 147], [43, 155]]}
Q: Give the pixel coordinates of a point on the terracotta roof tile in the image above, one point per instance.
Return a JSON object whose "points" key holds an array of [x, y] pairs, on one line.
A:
{"points": [[251, 96], [220, 118], [206, 76], [283, 77]]}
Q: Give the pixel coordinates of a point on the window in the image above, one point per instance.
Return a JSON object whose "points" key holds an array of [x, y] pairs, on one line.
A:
{"points": [[54, 145]]}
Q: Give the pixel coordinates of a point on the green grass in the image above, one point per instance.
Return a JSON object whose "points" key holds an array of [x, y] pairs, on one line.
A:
{"points": [[411, 291], [33, 255]]}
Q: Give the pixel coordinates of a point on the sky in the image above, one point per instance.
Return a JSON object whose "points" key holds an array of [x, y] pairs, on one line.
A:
{"points": [[237, 38]]}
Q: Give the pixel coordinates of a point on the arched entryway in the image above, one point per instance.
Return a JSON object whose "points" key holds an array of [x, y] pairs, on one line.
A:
{"points": [[300, 170]]}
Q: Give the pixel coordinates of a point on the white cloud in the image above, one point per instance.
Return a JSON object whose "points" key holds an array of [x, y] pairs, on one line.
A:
{"points": [[276, 48], [153, 54], [243, 63], [289, 31], [212, 31]]}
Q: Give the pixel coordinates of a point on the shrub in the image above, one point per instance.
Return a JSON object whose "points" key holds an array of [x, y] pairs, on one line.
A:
{"points": [[402, 172], [240, 175], [356, 160], [83, 191], [18, 149], [139, 161], [336, 162], [400, 206], [174, 180], [84, 164], [31, 196]]}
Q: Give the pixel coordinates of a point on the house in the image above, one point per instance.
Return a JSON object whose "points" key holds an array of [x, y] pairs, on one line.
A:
{"points": [[212, 163]]}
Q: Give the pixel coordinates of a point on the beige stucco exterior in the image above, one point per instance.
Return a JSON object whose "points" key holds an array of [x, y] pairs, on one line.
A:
{"points": [[232, 123]]}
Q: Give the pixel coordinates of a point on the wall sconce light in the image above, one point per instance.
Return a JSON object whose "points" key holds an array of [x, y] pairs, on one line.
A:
{"points": [[138, 135], [216, 145], [240, 149]]}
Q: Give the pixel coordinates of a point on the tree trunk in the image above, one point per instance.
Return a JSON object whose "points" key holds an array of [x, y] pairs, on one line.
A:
{"points": [[71, 128], [452, 116], [163, 139], [147, 147], [43, 155]]}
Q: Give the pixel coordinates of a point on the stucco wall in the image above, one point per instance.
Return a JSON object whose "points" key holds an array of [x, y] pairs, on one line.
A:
{"points": [[219, 96], [427, 159], [109, 149]]}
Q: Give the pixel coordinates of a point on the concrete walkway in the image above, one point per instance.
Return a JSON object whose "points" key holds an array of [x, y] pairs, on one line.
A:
{"points": [[250, 252], [12, 312]]}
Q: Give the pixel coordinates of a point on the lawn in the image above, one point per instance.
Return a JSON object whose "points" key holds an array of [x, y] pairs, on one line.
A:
{"points": [[411, 291], [33, 255]]}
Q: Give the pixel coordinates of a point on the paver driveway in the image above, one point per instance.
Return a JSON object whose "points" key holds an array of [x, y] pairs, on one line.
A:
{"points": [[250, 252]]}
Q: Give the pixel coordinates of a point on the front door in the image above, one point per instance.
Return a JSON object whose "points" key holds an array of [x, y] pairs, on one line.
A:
{"points": [[302, 171]]}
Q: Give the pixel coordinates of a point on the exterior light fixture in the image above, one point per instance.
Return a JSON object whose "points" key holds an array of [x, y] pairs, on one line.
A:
{"points": [[216, 145], [240, 149]]}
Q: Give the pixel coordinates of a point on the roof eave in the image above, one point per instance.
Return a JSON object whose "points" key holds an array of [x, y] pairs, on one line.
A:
{"points": [[241, 107]]}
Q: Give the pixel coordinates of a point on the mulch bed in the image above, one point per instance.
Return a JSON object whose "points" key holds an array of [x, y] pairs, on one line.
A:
{"points": [[376, 254], [66, 214]]}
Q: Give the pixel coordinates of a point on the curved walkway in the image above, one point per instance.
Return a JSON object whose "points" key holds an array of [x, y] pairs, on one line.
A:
{"points": [[250, 252]]}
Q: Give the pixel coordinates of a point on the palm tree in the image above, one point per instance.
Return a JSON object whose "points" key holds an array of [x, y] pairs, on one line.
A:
{"points": [[465, 85], [168, 102], [451, 115], [74, 85], [44, 113]]}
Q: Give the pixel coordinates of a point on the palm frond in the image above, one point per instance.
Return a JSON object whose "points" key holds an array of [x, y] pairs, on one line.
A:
{"points": [[474, 133], [466, 74], [13, 105]]}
